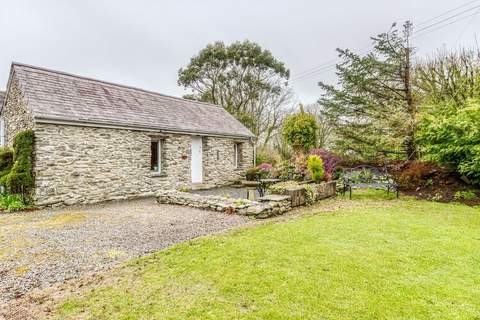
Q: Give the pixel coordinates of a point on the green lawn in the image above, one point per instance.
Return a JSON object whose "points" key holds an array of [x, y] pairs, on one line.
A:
{"points": [[366, 258]]}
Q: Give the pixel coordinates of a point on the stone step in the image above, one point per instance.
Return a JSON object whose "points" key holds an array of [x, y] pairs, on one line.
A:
{"points": [[201, 186]]}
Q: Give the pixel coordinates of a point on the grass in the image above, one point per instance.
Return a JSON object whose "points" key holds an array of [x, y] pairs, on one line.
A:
{"points": [[366, 258]]}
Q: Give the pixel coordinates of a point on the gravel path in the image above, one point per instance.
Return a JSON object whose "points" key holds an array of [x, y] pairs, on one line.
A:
{"points": [[40, 248]]}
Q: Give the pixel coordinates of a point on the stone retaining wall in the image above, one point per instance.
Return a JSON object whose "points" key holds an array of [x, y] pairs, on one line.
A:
{"points": [[268, 207]]}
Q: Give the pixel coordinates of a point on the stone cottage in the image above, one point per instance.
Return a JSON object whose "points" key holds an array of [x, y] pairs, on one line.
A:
{"points": [[97, 141]]}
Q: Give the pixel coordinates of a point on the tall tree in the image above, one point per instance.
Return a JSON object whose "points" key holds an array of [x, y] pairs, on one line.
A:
{"points": [[372, 108], [244, 79], [449, 77], [325, 129]]}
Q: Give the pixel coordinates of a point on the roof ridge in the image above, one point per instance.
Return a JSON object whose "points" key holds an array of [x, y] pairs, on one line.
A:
{"points": [[110, 83]]}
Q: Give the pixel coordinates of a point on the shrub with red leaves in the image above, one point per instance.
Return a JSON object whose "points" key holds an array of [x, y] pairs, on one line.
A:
{"points": [[330, 161], [415, 173]]}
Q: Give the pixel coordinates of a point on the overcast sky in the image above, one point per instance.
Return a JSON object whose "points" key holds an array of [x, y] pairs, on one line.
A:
{"points": [[144, 43]]}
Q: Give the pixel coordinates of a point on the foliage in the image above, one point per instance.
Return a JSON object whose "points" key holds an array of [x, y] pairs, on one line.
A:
{"points": [[184, 189], [280, 187], [373, 111], [287, 171], [20, 179], [245, 79], [361, 176], [300, 131], [240, 202], [452, 137], [416, 173], [310, 190], [252, 174], [448, 78], [465, 195], [300, 163], [315, 167], [265, 170], [12, 202], [310, 193], [261, 171], [367, 250], [267, 155], [325, 128], [330, 161], [6, 161]]}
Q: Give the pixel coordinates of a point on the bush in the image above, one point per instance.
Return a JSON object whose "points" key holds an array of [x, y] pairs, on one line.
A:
{"points": [[300, 131], [265, 170], [6, 161], [20, 179], [267, 155], [12, 202], [416, 173], [451, 136], [252, 174], [310, 190], [330, 161], [315, 167], [465, 195]]}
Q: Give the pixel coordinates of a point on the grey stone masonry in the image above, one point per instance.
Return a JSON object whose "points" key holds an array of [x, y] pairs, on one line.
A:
{"points": [[266, 208], [75, 164], [18, 116], [76, 160]]}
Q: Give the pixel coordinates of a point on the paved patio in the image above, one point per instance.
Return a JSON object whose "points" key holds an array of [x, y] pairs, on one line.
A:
{"points": [[227, 191], [41, 248]]}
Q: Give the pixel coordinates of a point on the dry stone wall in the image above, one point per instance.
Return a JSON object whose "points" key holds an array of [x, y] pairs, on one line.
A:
{"points": [[16, 114], [75, 164], [264, 208]]}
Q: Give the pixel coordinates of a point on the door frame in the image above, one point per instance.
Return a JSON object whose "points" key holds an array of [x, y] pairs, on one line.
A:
{"points": [[196, 151]]}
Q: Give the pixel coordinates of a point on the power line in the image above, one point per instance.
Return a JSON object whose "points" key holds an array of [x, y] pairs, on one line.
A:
{"points": [[466, 26], [332, 63], [446, 12], [445, 25], [321, 67], [448, 18]]}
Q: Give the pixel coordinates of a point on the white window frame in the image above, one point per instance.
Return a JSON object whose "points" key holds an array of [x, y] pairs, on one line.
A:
{"points": [[159, 156], [236, 155]]}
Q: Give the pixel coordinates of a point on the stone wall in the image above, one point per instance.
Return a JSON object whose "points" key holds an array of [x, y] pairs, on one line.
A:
{"points": [[75, 164], [266, 207], [219, 160], [16, 114]]}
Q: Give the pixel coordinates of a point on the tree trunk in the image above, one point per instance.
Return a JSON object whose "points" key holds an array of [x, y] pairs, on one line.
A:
{"points": [[410, 145]]}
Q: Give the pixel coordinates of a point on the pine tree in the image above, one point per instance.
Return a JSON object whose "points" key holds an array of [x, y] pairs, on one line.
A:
{"points": [[373, 109]]}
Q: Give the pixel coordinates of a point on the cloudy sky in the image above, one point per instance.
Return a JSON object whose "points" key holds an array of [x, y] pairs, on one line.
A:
{"points": [[144, 43]]}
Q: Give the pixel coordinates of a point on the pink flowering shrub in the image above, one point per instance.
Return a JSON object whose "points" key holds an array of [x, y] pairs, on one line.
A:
{"points": [[330, 161], [265, 169], [265, 166]]}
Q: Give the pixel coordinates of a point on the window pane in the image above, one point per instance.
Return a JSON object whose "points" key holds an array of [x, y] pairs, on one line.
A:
{"points": [[154, 165]]}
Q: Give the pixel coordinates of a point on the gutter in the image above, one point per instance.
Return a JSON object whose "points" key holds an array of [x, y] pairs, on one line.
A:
{"points": [[111, 125]]}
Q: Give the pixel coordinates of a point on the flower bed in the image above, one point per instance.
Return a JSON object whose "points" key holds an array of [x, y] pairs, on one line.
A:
{"points": [[307, 193]]}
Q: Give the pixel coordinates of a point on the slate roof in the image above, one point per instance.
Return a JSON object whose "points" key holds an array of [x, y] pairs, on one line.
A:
{"points": [[55, 95]]}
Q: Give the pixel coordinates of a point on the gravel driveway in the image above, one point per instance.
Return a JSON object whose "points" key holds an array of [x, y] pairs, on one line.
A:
{"points": [[40, 248]]}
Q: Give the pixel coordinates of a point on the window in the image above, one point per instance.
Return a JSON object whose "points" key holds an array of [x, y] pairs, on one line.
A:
{"points": [[237, 154], [156, 156]]}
